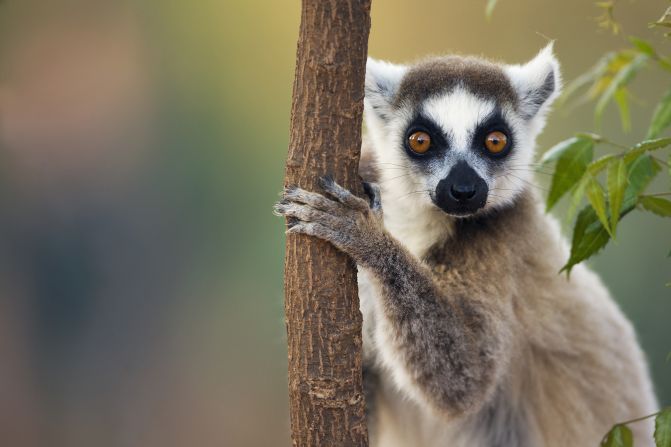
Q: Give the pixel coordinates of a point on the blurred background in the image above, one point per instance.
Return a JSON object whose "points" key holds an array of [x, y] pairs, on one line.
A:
{"points": [[142, 145]]}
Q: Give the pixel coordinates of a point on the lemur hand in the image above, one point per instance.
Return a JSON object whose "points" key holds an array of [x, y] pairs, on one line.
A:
{"points": [[347, 221]]}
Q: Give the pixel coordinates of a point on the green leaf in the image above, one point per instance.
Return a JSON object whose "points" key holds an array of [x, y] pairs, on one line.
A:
{"points": [[617, 183], [595, 196], [640, 173], [619, 81], [622, 101], [489, 9], [576, 197], [618, 436], [663, 428], [572, 163], [643, 46], [661, 118], [616, 62], [589, 236], [657, 205], [646, 146], [560, 148], [600, 164]]}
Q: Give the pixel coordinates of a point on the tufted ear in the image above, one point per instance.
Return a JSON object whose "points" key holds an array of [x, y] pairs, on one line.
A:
{"points": [[538, 82], [382, 82]]}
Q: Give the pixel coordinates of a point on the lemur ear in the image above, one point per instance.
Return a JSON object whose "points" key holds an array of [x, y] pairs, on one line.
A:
{"points": [[538, 82], [382, 82]]}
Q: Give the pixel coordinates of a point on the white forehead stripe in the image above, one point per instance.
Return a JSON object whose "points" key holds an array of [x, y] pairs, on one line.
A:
{"points": [[458, 113]]}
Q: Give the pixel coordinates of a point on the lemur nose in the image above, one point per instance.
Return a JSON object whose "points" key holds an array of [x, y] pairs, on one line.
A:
{"points": [[462, 192]]}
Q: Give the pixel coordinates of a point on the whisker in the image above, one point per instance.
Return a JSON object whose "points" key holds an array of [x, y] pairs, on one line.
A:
{"points": [[526, 182], [535, 171], [390, 164], [394, 178], [536, 166], [413, 192]]}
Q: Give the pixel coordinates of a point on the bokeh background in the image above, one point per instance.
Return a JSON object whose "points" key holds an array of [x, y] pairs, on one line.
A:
{"points": [[141, 147]]}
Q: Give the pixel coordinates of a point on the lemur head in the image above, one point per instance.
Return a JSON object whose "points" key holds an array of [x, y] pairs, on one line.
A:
{"points": [[458, 133]]}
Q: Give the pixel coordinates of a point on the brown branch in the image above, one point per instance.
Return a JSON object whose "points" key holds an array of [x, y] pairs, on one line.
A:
{"points": [[321, 302]]}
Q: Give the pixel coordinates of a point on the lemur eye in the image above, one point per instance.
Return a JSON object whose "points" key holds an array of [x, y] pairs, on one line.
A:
{"points": [[496, 142], [419, 142]]}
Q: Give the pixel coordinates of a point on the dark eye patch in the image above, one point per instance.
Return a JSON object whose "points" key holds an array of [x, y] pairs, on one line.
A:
{"points": [[493, 122], [422, 123]]}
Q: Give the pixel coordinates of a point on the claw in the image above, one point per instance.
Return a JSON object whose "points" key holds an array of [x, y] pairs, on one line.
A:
{"points": [[326, 181], [341, 194]]}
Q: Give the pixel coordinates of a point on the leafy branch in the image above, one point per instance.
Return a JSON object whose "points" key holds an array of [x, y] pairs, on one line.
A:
{"points": [[627, 174], [620, 435], [615, 184]]}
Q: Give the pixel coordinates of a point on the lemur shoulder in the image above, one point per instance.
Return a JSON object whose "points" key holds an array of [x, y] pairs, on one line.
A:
{"points": [[471, 337]]}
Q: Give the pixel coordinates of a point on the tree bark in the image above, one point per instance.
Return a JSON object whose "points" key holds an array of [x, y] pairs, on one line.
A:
{"points": [[321, 301]]}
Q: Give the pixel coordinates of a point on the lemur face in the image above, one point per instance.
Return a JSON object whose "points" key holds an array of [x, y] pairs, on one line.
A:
{"points": [[458, 133]]}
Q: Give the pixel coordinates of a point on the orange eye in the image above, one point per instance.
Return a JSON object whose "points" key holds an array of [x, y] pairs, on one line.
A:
{"points": [[419, 142], [496, 142]]}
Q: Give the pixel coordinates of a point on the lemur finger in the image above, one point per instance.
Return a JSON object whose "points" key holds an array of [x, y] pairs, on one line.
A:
{"points": [[291, 221], [313, 229], [313, 199], [372, 190], [342, 195], [306, 213]]}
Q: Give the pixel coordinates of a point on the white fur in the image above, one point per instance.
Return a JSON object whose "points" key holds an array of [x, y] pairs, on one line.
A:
{"points": [[528, 78], [382, 80], [458, 112]]}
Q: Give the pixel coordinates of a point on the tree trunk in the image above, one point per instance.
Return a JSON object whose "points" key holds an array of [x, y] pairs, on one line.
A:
{"points": [[321, 302]]}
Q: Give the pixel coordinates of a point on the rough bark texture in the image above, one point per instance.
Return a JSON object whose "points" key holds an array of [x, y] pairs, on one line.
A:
{"points": [[321, 301]]}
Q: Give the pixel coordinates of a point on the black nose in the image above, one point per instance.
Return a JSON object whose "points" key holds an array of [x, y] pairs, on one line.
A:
{"points": [[462, 192]]}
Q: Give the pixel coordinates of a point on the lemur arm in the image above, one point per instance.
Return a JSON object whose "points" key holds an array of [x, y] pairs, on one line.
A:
{"points": [[442, 344]]}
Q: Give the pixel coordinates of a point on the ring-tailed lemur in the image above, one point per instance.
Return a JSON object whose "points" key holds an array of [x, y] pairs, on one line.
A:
{"points": [[470, 334]]}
